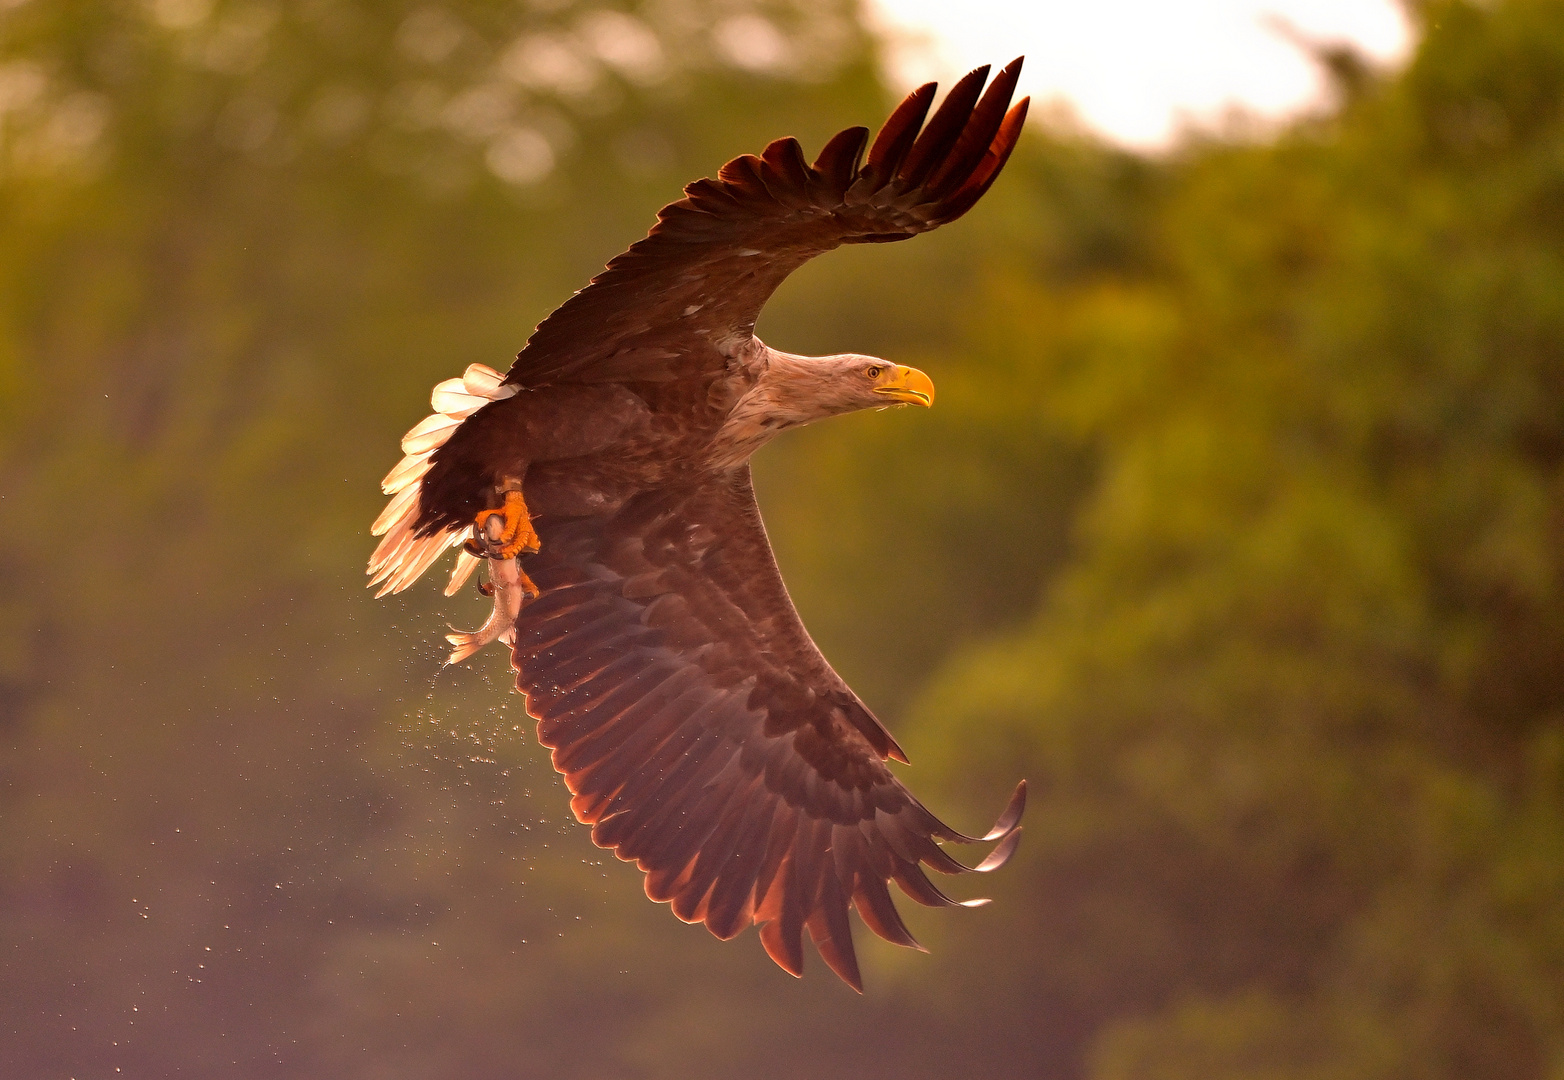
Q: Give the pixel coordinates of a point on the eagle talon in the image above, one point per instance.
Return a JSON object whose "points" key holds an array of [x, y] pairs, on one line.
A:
{"points": [[506, 531], [529, 589]]}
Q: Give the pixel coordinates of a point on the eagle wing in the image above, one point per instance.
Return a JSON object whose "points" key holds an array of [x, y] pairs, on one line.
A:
{"points": [[665, 307], [705, 737]]}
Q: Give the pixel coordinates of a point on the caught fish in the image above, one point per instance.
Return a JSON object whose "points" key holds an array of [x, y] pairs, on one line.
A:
{"points": [[510, 587]]}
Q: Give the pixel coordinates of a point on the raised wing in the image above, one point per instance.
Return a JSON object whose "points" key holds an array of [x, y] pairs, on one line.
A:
{"points": [[665, 307], [705, 738]]}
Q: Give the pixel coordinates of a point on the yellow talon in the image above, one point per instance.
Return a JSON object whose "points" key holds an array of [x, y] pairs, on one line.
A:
{"points": [[506, 532], [528, 588]]}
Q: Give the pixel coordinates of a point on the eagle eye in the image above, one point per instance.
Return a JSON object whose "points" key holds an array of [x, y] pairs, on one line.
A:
{"points": [[873, 371]]}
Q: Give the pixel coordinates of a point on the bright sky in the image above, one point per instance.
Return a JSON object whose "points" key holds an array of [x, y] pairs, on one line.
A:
{"points": [[1138, 69]]}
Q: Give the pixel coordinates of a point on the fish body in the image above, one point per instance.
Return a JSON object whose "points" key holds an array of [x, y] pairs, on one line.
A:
{"points": [[506, 579]]}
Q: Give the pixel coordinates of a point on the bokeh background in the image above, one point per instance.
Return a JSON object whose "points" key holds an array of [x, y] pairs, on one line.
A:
{"points": [[1238, 530]]}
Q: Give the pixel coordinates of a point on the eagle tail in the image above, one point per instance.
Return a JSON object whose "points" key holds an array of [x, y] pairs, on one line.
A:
{"points": [[403, 556]]}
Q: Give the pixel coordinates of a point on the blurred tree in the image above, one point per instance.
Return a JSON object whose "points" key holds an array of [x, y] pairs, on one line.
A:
{"points": [[1297, 692]]}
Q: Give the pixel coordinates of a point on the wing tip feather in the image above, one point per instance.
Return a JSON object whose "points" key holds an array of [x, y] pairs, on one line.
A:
{"points": [[785, 953]]}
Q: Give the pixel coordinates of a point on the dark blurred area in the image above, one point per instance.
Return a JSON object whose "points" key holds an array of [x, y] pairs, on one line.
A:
{"points": [[1238, 529]]}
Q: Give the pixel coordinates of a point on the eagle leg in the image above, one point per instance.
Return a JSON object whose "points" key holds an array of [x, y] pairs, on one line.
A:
{"points": [[506, 531]]}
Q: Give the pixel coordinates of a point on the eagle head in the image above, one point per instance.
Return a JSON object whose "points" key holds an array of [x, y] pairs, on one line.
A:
{"points": [[787, 391], [867, 382], [801, 389]]}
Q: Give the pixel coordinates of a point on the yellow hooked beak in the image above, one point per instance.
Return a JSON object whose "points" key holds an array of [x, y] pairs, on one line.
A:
{"points": [[908, 385]]}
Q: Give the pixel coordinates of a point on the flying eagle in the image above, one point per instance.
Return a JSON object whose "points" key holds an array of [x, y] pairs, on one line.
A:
{"points": [[700, 730]]}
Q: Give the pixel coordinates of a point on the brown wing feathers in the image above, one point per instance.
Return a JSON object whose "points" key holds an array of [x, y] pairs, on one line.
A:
{"points": [[702, 734], [700, 731], [715, 256], [706, 739]]}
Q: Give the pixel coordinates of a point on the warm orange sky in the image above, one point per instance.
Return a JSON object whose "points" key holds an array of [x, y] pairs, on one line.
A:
{"points": [[1134, 68]]}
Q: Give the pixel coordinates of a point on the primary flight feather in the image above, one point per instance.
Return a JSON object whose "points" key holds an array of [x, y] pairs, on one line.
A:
{"points": [[700, 730]]}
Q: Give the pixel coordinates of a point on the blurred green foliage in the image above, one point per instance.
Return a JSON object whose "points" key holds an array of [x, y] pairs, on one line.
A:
{"points": [[1239, 529]]}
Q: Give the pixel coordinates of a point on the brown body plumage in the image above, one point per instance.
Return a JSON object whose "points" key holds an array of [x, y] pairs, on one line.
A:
{"points": [[702, 733]]}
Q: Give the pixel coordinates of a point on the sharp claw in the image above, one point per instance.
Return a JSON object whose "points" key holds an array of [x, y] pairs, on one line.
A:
{"points": [[528, 588]]}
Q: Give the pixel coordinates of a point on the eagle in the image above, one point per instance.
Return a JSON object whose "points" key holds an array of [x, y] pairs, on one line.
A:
{"points": [[700, 731]]}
